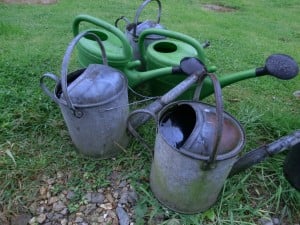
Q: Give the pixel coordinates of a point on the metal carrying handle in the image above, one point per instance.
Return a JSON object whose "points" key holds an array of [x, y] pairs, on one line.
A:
{"points": [[133, 131], [122, 18], [219, 114], [127, 51], [171, 34], [46, 89], [65, 64], [139, 11]]}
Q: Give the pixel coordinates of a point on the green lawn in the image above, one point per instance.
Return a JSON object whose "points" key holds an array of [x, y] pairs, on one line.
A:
{"points": [[34, 141]]}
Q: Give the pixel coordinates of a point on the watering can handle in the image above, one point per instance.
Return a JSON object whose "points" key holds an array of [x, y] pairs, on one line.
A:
{"points": [[219, 127], [127, 51], [133, 131], [65, 64], [171, 34], [122, 18], [139, 11], [46, 89]]}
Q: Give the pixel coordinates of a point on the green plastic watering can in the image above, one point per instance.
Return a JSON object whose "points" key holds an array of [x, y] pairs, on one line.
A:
{"points": [[169, 52], [118, 50], [277, 65]]}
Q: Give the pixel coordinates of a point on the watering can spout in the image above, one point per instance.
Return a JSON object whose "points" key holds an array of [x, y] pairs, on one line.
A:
{"points": [[279, 65]]}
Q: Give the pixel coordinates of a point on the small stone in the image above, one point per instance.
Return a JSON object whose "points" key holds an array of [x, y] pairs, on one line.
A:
{"points": [[124, 198], [109, 198], [64, 222], [32, 221], [58, 206], [97, 198], [70, 195], [90, 208], [33, 207], [276, 221], [78, 220], [64, 211], [122, 216], [57, 216], [123, 184], [132, 197], [94, 197], [40, 209], [43, 191], [106, 206], [53, 200], [59, 175], [41, 218], [22, 219], [50, 181]]}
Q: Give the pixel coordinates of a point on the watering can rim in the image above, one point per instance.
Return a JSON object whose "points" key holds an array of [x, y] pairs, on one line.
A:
{"points": [[237, 149]]}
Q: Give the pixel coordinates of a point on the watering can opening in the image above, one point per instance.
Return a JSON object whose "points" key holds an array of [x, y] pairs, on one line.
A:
{"points": [[70, 78], [189, 127], [177, 124], [165, 47], [103, 36]]}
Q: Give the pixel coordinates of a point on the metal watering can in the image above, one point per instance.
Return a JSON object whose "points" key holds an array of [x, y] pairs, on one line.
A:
{"points": [[133, 30], [197, 145], [118, 49], [94, 104]]}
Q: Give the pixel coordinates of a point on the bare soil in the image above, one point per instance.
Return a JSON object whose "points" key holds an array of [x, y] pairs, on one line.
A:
{"points": [[46, 2]]}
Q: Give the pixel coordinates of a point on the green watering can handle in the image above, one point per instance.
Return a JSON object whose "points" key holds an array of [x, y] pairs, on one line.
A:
{"points": [[127, 51], [170, 34]]}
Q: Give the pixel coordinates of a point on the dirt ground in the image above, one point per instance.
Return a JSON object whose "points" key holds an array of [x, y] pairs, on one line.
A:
{"points": [[30, 1]]}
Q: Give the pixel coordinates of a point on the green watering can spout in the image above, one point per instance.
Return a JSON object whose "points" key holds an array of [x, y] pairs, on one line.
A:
{"points": [[278, 65]]}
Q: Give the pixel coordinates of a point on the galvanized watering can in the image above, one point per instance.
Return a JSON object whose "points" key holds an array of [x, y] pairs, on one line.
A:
{"points": [[94, 104], [118, 49], [197, 145], [195, 148], [133, 30]]}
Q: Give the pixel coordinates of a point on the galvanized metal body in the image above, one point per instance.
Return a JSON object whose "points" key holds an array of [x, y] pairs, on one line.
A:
{"points": [[94, 104], [180, 178], [133, 30], [180, 184], [98, 129]]}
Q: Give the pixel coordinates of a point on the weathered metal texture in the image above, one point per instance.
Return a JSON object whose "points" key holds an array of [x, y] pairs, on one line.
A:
{"points": [[195, 148], [133, 30], [94, 104], [182, 179]]}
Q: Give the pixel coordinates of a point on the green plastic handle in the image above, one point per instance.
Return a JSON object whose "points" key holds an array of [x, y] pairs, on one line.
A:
{"points": [[127, 51], [171, 34]]}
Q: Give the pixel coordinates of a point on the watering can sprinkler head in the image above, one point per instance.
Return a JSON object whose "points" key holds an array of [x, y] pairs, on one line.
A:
{"points": [[189, 66], [279, 65]]}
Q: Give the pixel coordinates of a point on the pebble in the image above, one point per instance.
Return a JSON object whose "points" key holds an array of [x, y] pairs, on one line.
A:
{"points": [[107, 205], [123, 216], [41, 218]]}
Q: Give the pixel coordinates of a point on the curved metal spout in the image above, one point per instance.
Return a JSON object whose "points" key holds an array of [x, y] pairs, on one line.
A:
{"points": [[259, 154]]}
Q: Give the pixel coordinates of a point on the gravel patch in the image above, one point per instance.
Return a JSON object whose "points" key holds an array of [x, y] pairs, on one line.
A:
{"points": [[109, 205]]}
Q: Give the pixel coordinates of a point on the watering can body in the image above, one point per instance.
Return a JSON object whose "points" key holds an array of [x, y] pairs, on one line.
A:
{"points": [[134, 29], [166, 53], [118, 50], [180, 178], [94, 104]]}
